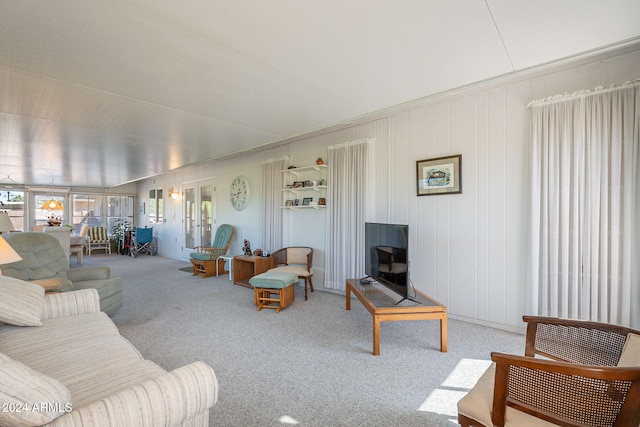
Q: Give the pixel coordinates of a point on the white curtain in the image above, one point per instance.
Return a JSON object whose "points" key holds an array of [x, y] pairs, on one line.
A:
{"points": [[585, 205], [346, 209], [272, 182]]}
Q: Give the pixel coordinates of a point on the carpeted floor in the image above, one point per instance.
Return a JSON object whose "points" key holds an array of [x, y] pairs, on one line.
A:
{"points": [[310, 364]]}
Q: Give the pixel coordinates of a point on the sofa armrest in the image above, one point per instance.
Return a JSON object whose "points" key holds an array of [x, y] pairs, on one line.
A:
{"points": [[89, 273], [182, 394], [70, 303], [565, 393]]}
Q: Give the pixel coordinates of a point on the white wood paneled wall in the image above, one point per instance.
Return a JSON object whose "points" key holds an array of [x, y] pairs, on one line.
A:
{"points": [[467, 250]]}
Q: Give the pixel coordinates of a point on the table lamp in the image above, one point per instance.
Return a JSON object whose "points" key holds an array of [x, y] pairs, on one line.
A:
{"points": [[7, 254], [5, 223]]}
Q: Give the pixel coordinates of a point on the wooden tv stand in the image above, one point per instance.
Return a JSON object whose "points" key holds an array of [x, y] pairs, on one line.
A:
{"points": [[383, 305]]}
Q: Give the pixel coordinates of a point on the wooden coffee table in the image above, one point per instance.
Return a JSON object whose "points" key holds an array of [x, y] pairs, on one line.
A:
{"points": [[383, 305]]}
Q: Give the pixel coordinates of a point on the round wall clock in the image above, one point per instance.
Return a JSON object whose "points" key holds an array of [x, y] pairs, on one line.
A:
{"points": [[239, 192]]}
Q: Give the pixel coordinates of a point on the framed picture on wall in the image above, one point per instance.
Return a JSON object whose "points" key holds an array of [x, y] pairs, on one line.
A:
{"points": [[441, 175], [307, 201]]}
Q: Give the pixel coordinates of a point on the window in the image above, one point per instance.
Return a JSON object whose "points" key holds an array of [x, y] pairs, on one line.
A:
{"points": [[87, 209], [156, 206], [13, 203], [119, 210]]}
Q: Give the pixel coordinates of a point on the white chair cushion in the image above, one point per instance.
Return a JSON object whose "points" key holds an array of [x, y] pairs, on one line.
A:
{"points": [[630, 356], [300, 271], [477, 405]]}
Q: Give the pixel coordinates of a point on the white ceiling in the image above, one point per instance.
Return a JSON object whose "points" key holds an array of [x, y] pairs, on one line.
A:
{"points": [[100, 93]]}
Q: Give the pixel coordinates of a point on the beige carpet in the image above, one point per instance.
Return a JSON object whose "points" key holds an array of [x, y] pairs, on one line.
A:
{"points": [[310, 364]]}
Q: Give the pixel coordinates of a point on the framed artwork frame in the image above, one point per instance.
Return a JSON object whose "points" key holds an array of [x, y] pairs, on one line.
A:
{"points": [[307, 201], [440, 175]]}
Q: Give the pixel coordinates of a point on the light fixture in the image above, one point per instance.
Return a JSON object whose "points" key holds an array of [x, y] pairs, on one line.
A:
{"points": [[5, 223], [173, 194], [7, 254], [52, 205]]}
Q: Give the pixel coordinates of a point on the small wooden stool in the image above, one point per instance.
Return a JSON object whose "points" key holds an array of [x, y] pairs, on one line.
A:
{"points": [[273, 287]]}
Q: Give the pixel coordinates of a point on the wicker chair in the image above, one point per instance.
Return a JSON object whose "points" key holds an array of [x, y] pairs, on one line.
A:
{"points": [[204, 259], [589, 376], [298, 260]]}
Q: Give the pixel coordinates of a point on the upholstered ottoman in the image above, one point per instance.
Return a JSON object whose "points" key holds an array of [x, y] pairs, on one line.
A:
{"points": [[273, 289]]}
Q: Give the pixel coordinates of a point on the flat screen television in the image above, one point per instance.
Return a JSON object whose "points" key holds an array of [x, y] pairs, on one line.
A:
{"points": [[387, 257]]}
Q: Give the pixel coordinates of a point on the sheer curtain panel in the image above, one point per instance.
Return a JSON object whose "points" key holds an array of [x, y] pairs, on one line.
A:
{"points": [[346, 209], [585, 205], [272, 182]]}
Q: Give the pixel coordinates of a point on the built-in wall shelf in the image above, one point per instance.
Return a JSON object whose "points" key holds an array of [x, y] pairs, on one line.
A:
{"points": [[305, 187], [295, 208], [316, 188], [304, 169]]}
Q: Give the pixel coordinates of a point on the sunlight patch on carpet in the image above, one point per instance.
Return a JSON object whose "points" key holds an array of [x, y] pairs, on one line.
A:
{"points": [[285, 419], [444, 399]]}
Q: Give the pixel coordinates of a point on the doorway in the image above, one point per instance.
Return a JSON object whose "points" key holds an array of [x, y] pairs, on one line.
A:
{"points": [[199, 206]]}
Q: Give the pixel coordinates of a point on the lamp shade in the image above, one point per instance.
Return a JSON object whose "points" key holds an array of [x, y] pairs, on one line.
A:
{"points": [[5, 223], [52, 205], [7, 254]]}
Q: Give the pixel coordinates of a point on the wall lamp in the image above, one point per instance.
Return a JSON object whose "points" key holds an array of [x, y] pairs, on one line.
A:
{"points": [[175, 195]]}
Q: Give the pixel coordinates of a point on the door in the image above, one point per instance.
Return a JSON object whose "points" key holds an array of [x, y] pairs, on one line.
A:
{"points": [[199, 207]]}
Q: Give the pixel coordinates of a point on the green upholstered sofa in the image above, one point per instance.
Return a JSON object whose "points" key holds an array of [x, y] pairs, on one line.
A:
{"points": [[44, 262]]}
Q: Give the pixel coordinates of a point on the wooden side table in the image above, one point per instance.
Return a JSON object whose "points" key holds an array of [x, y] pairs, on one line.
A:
{"points": [[245, 267]]}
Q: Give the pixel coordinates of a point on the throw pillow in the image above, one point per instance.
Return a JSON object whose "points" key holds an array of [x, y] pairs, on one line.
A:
{"points": [[630, 356], [20, 302], [30, 398]]}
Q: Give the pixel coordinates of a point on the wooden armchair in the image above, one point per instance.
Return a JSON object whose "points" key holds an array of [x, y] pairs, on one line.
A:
{"points": [[204, 258], [590, 376], [295, 259]]}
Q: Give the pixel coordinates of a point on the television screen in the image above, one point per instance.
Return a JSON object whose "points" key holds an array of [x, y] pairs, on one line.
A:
{"points": [[386, 259]]}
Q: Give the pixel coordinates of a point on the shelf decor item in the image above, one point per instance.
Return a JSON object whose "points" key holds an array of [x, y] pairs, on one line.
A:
{"points": [[440, 175], [246, 248]]}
